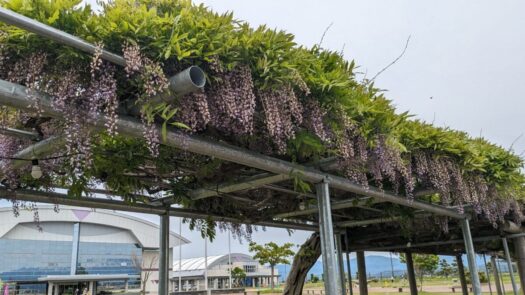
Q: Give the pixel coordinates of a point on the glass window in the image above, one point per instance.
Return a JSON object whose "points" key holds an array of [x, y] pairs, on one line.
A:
{"points": [[26, 260], [106, 258]]}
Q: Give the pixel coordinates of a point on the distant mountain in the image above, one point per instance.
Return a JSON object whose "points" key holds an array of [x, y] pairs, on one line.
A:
{"points": [[376, 266]]}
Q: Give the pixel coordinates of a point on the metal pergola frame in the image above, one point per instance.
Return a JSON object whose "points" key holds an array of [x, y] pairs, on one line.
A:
{"points": [[277, 171]]}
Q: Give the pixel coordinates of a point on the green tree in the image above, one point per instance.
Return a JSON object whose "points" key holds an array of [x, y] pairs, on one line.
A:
{"points": [[272, 254], [424, 264], [445, 269], [454, 265], [238, 275], [314, 278]]}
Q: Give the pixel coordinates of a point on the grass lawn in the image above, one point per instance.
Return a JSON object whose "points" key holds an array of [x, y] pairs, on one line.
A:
{"points": [[391, 287], [425, 293]]}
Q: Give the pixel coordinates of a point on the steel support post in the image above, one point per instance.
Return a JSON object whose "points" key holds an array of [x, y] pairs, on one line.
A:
{"points": [[229, 260], [461, 273], [471, 257], [501, 276], [519, 250], [361, 269], [411, 273], [348, 264], [74, 252], [509, 265], [495, 272], [326, 231], [180, 257], [488, 273], [341, 263], [206, 287], [164, 254]]}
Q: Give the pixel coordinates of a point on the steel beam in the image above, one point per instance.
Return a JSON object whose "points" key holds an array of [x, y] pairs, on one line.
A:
{"points": [[251, 183], [15, 95], [461, 273], [411, 273], [61, 199], [261, 180], [38, 150], [471, 257], [164, 266], [20, 133], [438, 243], [61, 37], [355, 223], [288, 191], [360, 203], [335, 206], [326, 230], [361, 270], [509, 265]]}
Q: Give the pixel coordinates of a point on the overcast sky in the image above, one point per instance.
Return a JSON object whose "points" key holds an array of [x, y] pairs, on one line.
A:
{"points": [[464, 66]]}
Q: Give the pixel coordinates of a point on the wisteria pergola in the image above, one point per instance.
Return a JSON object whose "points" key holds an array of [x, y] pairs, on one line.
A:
{"points": [[356, 216]]}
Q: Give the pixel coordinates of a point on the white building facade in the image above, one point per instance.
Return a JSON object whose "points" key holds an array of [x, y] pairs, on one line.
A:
{"points": [[193, 272], [79, 248]]}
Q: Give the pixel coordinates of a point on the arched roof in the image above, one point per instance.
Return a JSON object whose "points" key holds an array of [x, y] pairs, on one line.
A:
{"points": [[198, 263], [146, 233]]}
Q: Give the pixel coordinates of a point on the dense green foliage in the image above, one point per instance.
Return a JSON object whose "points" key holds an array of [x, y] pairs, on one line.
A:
{"points": [[238, 276], [349, 114], [424, 264]]}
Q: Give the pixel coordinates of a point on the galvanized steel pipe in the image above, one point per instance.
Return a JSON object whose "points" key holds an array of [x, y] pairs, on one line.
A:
{"points": [[519, 254], [62, 199], [471, 257], [20, 133], [164, 245], [496, 274], [326, 231], [509, 265], [33, 26], [190, 80]]}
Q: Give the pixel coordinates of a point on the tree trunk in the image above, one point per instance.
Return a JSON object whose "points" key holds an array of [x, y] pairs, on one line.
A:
{"points": [[271, 279], [302, 263]]}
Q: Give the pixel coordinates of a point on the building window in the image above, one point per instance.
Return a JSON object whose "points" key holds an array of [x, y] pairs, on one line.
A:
{"points": [[250, 268]]}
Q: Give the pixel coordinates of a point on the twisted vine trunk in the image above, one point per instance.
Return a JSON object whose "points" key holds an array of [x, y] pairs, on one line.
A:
{"points": [[302, 263]]}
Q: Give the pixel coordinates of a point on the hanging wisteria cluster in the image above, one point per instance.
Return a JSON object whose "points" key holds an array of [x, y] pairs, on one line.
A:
{"points": [[79, 97], [283, 112], [457, 188], [313, 120], [228, 105], [353, 152], [152, 82]]}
